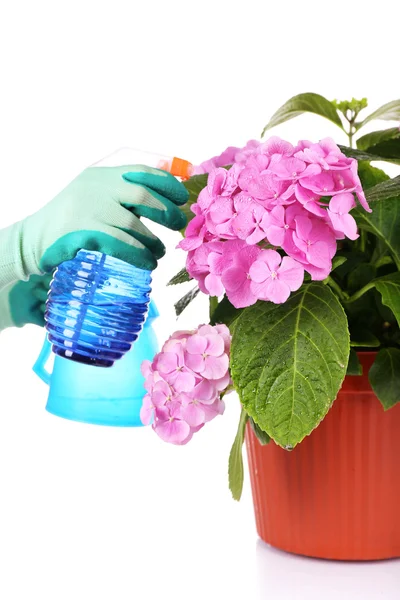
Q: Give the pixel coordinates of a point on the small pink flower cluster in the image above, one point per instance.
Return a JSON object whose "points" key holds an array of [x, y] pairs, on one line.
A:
{"points": [[293, 198], [185, 381]]}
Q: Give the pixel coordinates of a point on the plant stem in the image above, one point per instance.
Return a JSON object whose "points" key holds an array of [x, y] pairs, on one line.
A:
{"points": [[361, 292], [335, 286], [213, 301]]}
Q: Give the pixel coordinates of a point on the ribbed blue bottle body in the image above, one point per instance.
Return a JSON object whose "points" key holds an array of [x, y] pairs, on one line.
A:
{"points": [[96, 308]]}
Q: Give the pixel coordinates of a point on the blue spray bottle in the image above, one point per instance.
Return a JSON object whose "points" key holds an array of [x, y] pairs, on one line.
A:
{"points": [[96, 310]]}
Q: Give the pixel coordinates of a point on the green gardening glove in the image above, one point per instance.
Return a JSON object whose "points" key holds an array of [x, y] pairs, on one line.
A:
{"points": [[99, 210], [24, 302]]}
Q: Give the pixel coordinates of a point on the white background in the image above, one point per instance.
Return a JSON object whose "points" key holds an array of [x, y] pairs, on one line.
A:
{"points": [[89, 512]]}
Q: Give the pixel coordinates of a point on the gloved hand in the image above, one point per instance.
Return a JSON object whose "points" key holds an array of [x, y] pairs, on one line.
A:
{"points": [[23, 302], [99, 210]]}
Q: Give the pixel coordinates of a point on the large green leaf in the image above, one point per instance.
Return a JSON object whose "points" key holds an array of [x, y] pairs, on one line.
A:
{"points": [[194, 185], [384, 376], [384, 221], [385, 142], [235, 466], [288, 361], [387, 112], [384, 190], [366, 156], [389, 287], [309, 102]]}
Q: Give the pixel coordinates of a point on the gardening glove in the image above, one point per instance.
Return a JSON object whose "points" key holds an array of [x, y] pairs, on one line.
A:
{"points": [[99, 210], [24, 302]]}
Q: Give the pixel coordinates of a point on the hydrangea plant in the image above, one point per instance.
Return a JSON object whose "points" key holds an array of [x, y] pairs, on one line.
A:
{"points": [[298, 248]]}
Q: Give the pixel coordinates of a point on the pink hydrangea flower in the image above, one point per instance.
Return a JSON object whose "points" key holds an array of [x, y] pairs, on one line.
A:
{"points": [[236, 279], [315, 240], [171, 366], [273, 277], [338, 212], [205, 354], [185, 381], [297, 199]]}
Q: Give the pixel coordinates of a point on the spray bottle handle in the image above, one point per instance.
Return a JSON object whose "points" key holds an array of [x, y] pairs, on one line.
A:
{"points": [[40, 365]]}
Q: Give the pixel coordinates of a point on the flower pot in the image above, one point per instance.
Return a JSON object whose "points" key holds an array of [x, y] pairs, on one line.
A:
{"points": [[337, 494]]}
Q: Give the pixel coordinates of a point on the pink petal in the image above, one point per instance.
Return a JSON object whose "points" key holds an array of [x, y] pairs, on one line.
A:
{"points": [[222, 383], [255, 237], [291, 272], [241, 297], [196, 344], [275, 235], [193, 414], [318, 254], [362, 199], [167, 362], [215, 367], [233, 279], [146, 368], [173, 431], [195, 362], [215, 345], [344, 224], [303, 227], [277, 291], [184, 381], [271, 258], [204, 391], [259, 271], [342, 203], [147, 410], [214, 285], [215, 409]]}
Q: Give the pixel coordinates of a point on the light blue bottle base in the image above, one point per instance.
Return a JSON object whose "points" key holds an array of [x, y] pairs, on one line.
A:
{"points": [[113, 413], [85, 393]]}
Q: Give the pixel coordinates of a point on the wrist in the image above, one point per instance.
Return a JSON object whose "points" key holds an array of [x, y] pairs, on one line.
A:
{"points": [[5, 310]]}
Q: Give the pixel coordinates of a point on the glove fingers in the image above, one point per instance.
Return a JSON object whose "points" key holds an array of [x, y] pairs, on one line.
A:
{"points": [[145, 202], [128, 222], [40, 294], [160, 181], [120, 244]]}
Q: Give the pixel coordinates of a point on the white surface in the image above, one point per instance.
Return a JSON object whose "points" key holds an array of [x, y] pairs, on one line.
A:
{"points": [[93, 513]]}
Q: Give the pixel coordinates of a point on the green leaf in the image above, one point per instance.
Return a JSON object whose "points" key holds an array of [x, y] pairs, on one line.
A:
{"points": [[383, 191], [185, 301], [181, 277], [288, 361], [384, 376], [313, 103], [384, 221], [261, 435], [366, 156], [361, 337], [370, 176], [235, 467], [194, 185], [225, 313], [387, 112], [384, 143], [337, 261], [354, 367], [389, 287]]}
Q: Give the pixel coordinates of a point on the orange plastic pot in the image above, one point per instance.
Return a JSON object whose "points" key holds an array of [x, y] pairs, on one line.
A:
{"points": [[337, 494]]}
